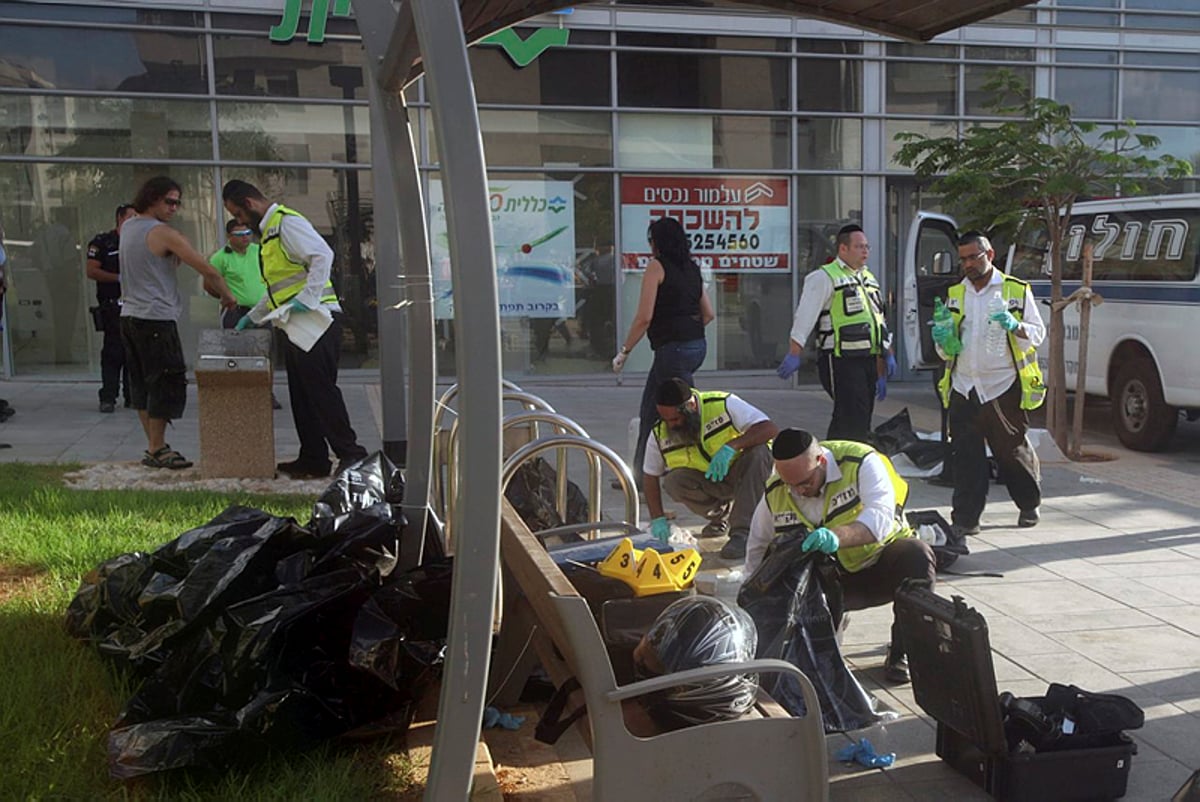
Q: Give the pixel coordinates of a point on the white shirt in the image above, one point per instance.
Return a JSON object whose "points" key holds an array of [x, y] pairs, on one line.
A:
{"points": [[742, 414], [814, 299], [989, 375], [874, 489], [305, 246]]}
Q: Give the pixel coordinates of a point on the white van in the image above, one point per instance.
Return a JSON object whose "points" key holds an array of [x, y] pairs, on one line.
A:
{"points": [[1146, 256]]}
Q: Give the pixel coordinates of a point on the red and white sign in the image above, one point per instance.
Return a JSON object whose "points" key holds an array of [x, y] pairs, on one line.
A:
{"points": [[733, 223]]}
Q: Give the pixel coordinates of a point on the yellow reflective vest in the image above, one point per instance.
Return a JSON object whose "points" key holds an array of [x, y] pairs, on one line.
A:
{"points": [[853, 323], [841, 503], [1033, 389], [716, 429], [283, 277]]}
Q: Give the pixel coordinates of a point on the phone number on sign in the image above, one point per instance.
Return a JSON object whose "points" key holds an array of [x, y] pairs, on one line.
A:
{"points": [[724, 242]]}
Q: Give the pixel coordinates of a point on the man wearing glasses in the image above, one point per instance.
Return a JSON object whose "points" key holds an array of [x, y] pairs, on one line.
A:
{"points": [[150, 252], [237, 263], [989, 392], [709, 450], [850, 501]]}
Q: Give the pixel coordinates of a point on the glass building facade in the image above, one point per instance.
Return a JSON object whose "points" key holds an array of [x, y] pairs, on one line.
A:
{"points": [[763, 133]]}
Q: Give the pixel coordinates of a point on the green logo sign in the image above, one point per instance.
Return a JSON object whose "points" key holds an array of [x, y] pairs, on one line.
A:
{"points": [[524, 51], [285, 31], [521, 51]]}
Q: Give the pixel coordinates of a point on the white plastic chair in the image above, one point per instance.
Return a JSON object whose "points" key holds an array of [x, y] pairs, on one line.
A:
{"points": [[772, 759]]}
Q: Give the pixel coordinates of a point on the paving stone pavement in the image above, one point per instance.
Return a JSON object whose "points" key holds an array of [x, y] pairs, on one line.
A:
{"points": [[1103, 593]]}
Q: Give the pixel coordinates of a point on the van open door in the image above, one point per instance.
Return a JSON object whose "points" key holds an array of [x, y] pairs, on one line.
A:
{"points": [[930, 268]]}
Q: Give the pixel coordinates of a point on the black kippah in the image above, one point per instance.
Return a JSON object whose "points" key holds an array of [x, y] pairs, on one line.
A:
{"points": [[791, 443], [849, 229], [672, 393]]}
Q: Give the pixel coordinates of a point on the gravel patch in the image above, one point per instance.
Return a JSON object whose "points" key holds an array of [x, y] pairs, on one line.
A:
{"points": [[135, 476]]}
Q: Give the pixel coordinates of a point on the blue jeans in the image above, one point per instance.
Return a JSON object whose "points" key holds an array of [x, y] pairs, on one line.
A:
{"points": [[671, 360]]}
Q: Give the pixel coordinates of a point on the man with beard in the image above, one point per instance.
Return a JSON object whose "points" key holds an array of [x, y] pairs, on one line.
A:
{"points": [[709, 450], [989, 393], [296, 266], [850, 500]]}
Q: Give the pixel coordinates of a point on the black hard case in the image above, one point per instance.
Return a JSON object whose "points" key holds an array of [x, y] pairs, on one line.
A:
{"points": [[950, 661]]}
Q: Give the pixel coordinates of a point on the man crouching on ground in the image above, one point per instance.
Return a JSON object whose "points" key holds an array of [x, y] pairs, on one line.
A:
{"points": [[852, 502], [709, 449]]}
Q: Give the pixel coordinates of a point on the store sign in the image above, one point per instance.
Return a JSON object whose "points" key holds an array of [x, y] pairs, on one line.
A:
{"points": [[285, 31], [732, 223], [533, 228], [521, 51]]}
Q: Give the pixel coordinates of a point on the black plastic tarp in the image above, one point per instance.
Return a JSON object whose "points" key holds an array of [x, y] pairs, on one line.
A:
{"points": [[253, 633], [786, 599]]}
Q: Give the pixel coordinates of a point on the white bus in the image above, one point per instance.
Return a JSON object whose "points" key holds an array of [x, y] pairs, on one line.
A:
{"points": [[1146, 254]]}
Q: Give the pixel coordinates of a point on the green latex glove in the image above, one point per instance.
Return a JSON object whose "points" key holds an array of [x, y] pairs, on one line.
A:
{"points": [[297, 306], [946, 339], [661, 529], [1006, 319], [243, 323], [821, 540], [718, 467]]}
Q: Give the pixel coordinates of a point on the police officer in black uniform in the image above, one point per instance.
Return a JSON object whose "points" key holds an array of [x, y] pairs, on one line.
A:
{"points": [[104, 268]]}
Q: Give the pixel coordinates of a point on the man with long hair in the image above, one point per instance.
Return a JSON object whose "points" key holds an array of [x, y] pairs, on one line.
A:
{"points": [[150, 252]]}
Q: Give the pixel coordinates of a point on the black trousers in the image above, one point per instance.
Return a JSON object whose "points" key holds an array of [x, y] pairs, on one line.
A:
{"points": [[850, 382], [876, 585], [1002, 425], [114, 375], [318, 409]]}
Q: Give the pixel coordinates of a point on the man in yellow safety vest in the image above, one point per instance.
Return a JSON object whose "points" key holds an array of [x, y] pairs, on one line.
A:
{"points": [[850, 500], [296, 264], [709, 449]]}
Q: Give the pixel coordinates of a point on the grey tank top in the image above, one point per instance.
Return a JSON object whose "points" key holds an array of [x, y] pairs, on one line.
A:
{"points": [[149, 285]]}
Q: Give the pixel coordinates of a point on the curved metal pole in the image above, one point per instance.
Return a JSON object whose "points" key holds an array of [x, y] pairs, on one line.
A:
{"points": [[562, 425], [624, 475], [529, 401], [477, 322], [378, 22], [438, 492]]}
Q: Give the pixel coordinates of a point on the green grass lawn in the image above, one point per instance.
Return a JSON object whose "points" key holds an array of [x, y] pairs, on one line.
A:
{"points": [[58, 700]]}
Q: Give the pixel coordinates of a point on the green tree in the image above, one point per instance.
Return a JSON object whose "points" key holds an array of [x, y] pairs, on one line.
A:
{"points": [[1031, 168]]}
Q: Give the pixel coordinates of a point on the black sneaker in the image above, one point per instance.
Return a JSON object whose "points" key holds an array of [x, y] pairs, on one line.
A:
{"points": [[108, 406], [896, 668], [734, 549], [967, 530], [1029, 518], [302, 470], [715, 529]]}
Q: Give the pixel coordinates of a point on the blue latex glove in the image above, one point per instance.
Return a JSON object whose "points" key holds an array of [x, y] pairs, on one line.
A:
{"points": [[660, 529], [890, 359], [243, 323], [1006, 319], [790, 364], [863, 753], [296, 306], [881, 388], [493, 717], [821, 540], [718, 467]]}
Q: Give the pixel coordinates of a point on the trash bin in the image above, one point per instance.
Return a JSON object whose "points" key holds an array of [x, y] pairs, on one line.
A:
{"points": [[233, 381]]}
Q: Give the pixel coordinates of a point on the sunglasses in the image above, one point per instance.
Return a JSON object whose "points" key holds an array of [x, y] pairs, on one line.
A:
{"points": [[243, 232], [174, 203]]}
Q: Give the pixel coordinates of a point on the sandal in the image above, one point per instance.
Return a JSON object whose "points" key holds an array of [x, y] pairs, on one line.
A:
{"points": [[165, 457]]}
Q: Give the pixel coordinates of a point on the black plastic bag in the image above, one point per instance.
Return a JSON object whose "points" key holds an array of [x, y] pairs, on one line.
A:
{"points": [[533, 491], [244, 629], [896, 436], [785, 599]]}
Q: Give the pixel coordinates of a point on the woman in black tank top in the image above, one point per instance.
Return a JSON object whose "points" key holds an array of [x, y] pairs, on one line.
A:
{"points": [[673, 310]]}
